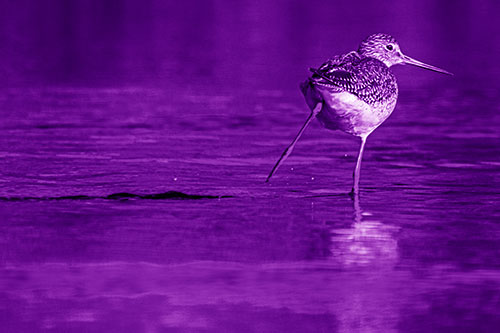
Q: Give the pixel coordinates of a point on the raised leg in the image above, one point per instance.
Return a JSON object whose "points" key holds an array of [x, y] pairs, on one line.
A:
{"points": [[289, 149], [355, 187]]}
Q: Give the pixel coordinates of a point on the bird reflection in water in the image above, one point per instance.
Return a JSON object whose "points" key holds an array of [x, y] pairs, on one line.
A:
{"points": [[368, 242]]}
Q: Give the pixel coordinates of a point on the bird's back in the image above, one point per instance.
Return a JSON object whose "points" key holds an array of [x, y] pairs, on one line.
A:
{"points": [[359, 93]]}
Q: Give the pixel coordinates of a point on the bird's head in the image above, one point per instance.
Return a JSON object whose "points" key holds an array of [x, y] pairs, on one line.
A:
{"points": [[385, 48]]}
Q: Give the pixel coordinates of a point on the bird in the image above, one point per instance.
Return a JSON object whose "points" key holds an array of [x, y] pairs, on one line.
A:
{"points": [[355, 92]]}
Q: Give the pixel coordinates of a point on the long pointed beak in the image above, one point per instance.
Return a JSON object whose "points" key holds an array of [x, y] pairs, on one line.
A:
{"points": [[411, 61]]}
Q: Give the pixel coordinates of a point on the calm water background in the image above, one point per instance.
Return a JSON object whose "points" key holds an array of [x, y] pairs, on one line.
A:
{"points": [[145, 97]]}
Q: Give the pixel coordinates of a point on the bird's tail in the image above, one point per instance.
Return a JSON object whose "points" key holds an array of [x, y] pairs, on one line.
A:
{"points": [[310, 93]]}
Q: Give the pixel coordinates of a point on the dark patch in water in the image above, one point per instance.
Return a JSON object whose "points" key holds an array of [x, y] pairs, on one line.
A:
{"points": [[122, 195], [70, 197], [172, 195], [180, 195]]}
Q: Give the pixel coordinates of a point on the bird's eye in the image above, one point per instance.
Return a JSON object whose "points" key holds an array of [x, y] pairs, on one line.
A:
{"points": [[390, 47]]}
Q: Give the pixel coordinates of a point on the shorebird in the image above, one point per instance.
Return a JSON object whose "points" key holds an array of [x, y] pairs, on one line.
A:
{"points": [[355, 92]]}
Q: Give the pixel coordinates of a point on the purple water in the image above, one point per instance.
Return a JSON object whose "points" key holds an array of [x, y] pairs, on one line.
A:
{"points": [[142, 98]]}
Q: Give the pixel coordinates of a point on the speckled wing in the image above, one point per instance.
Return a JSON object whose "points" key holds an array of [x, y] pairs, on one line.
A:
{"points": [[367, 78]]}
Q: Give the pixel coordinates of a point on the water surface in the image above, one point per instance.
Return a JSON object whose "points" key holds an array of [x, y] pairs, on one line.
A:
{"points": [[89, 147]]}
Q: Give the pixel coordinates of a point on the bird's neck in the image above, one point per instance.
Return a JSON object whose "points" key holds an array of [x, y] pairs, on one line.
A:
{"points": [[374, 56]]}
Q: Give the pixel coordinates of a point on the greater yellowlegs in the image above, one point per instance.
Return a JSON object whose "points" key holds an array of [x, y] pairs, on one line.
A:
{"points": [[355, 92]]}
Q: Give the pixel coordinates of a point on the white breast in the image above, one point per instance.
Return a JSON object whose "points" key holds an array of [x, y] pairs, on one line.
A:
{"points": [[346, 112]]}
